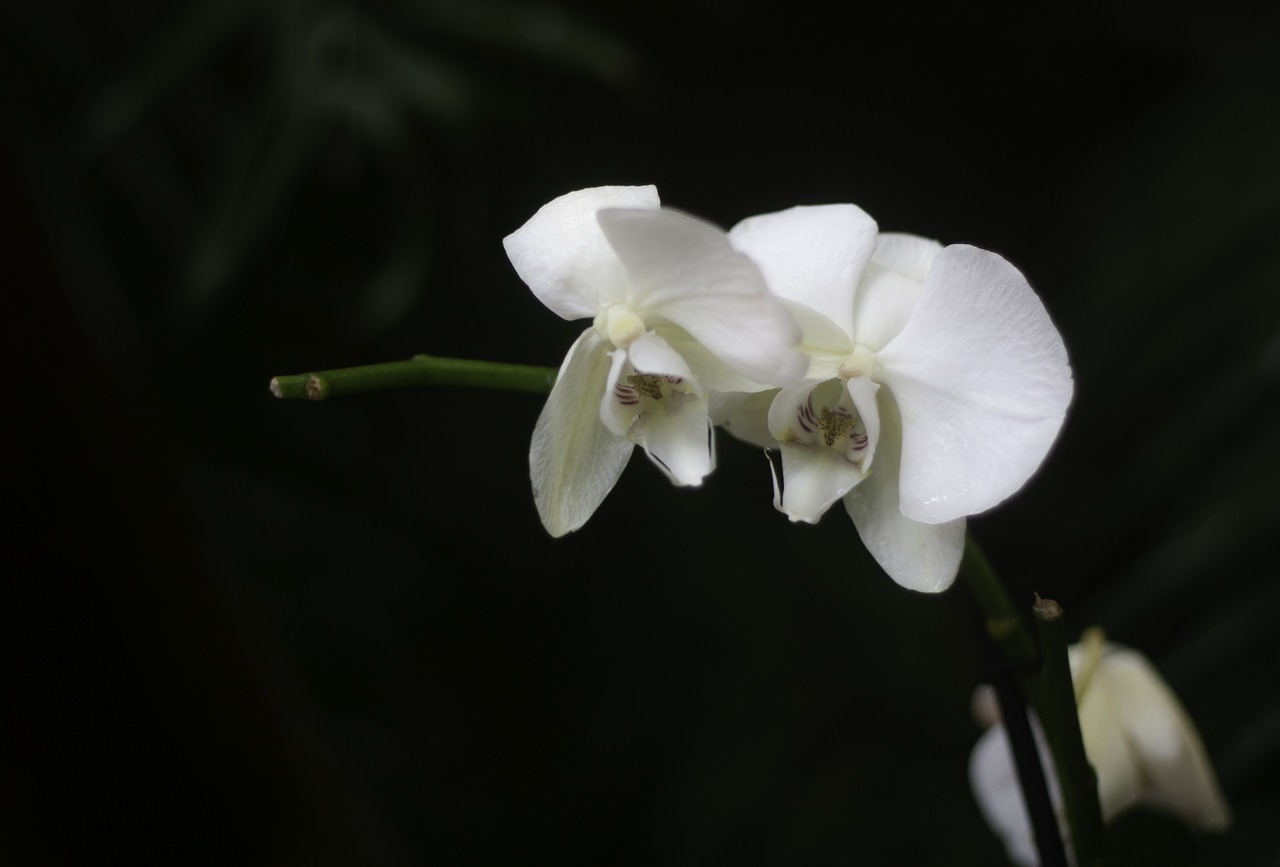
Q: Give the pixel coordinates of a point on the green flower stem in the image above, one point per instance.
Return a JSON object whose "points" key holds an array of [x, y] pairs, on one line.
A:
{"points": [[1056, 706], [416, 371], [1047, 687], [1003, 619]]}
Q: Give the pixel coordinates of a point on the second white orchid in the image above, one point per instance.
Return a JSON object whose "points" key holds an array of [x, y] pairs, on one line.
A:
{"points": [[936, 383]]}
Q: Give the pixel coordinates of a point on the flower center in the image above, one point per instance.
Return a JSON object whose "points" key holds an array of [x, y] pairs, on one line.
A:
{"points": [[640, 386], [827, 416], [834, 424]]}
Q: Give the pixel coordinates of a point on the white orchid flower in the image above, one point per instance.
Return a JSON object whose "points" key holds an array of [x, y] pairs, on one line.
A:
{"points": [[1140, 741], [936, 384], [674, 310]]}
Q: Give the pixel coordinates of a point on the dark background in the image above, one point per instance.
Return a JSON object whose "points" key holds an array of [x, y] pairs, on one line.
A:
{"points": [[247, 631]]}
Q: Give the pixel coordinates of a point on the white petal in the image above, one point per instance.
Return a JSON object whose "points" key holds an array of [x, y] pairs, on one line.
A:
{"points": [[711, 372], [908, 255], [1120, 776], [575, 461], [890, 285], [981, 378], [562, 255], [684, 270], [1169, 752], [813, 255], [918, 556], [994, 781]]}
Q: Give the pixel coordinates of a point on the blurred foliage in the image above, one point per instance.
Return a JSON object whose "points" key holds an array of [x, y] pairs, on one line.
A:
{"points": [[247, 631]]}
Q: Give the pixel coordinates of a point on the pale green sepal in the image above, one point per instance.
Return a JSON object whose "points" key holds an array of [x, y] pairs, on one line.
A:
{"points": [[574, 461]]}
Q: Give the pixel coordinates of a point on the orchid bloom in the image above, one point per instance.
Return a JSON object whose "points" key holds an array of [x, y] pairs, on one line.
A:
{"points": [[936, 384], [1140, 741], [674, 310]]}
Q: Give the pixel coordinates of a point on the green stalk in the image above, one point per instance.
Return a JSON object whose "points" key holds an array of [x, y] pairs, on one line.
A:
{"points": [[417, 371], [1055, 702], [1003, 619]]}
